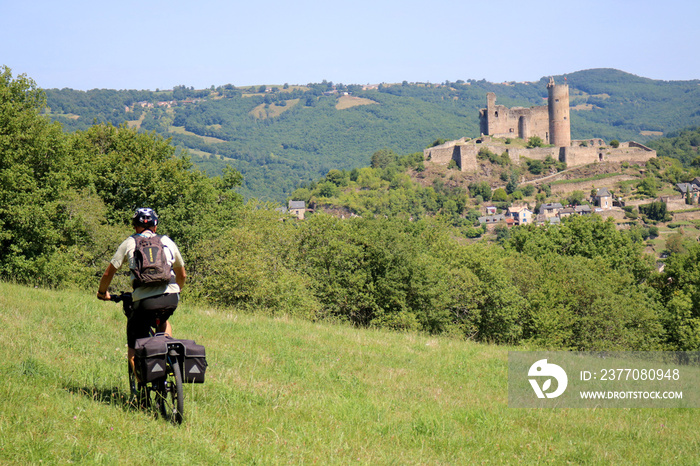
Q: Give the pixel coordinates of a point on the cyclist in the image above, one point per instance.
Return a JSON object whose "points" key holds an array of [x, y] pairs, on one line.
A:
{"points": [[153, 305]]}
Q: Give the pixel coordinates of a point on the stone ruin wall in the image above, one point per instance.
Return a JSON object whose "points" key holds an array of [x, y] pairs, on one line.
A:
{"points": [[468, 157], [536, 153], [539, 124], [631, 152], [517, 122], [627, 152], [443, 153], [465, 153], [578, 155]]}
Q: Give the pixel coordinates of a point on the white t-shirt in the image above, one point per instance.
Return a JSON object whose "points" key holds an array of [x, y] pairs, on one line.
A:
{"points": [[125, 251]]}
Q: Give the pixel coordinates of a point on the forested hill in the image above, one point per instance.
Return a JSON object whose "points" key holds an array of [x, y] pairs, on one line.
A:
{"points": [[280, 136]]}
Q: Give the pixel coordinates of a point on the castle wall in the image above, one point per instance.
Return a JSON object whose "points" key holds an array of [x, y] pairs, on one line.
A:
{"points": [[540, 124], [465, 154], [578, 155], [595, 142], [627, 152], [632, 144], [440, 154], [517, 122], [468, 157], [631, 152]]}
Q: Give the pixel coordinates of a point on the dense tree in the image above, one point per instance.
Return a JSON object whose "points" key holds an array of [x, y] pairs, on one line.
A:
{"points": [[655, 211], [575, 302], [500, 195], [63, 194], [480, 188], [680, 288], [35, 172], [575, 198], [648, 186], [682, 145], [535, 166], [382, 158], [586, 236]]}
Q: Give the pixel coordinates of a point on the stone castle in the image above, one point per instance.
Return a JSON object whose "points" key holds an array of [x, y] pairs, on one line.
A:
{"points": [[550, 123]]}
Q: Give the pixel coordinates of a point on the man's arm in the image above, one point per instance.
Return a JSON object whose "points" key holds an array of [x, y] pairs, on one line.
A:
{"points": [[105, 281], [180, 276]]}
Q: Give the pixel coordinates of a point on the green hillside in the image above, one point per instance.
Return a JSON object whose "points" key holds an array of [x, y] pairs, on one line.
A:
{"points": [[280, 390], [405, 264], [281, 136]]}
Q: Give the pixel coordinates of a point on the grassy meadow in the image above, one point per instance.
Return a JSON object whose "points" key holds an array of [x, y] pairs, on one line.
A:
{"points": [[280, 390]]}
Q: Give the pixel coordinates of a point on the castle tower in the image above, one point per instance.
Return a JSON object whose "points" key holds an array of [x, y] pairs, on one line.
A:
{"points": [[488, 115], [559, 123]]}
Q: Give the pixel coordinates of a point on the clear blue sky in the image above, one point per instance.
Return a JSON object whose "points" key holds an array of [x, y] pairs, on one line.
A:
{"points": [[150, 44]]}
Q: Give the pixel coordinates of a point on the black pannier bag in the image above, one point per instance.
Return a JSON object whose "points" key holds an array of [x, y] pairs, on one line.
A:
{"points": [[150, 357], [194, 364]]}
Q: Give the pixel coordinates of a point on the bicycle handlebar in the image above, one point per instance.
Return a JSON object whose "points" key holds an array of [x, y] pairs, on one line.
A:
{"points": [[125, 299], [117, 298]]}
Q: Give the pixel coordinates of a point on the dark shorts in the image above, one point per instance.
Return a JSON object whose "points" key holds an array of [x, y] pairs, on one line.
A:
{"points": [[147, 313]]}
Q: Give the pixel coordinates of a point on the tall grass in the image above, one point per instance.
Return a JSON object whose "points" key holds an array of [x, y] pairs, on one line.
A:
{"points": [[287, 391]]}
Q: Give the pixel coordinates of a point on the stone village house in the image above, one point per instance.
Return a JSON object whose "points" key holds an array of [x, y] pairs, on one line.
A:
{"points": [[603, 199], [297, 208], [690, 190]]}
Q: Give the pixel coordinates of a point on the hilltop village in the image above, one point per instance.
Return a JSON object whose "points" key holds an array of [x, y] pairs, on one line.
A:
{"points": [[550, 126]]}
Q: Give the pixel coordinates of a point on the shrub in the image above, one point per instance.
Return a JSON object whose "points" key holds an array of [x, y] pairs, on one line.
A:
{"points": [[528, 190], [500, 195], [480, 188], [472, 232], [485, 154], [535, 166], [512, 185], [648, 186], [655, 211], [438, 142], [534, 141], [575, 198]]}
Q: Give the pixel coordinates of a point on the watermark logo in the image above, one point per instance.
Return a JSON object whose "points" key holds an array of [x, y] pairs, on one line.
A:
{"points": [[542, 369], [610, 379]]}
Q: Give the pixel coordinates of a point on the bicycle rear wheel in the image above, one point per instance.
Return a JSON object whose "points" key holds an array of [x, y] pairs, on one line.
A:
{"points": [[169, 394]]}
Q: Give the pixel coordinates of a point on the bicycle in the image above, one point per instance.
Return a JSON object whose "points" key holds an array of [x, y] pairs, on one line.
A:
{"points": [[165, 393]]}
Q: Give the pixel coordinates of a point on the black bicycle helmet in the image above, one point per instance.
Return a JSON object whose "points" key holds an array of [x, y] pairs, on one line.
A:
{"points": [[145, 217]]}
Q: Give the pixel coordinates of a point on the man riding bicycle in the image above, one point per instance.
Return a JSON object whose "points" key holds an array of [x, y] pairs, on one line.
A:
{"points": [[153, 304]]}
